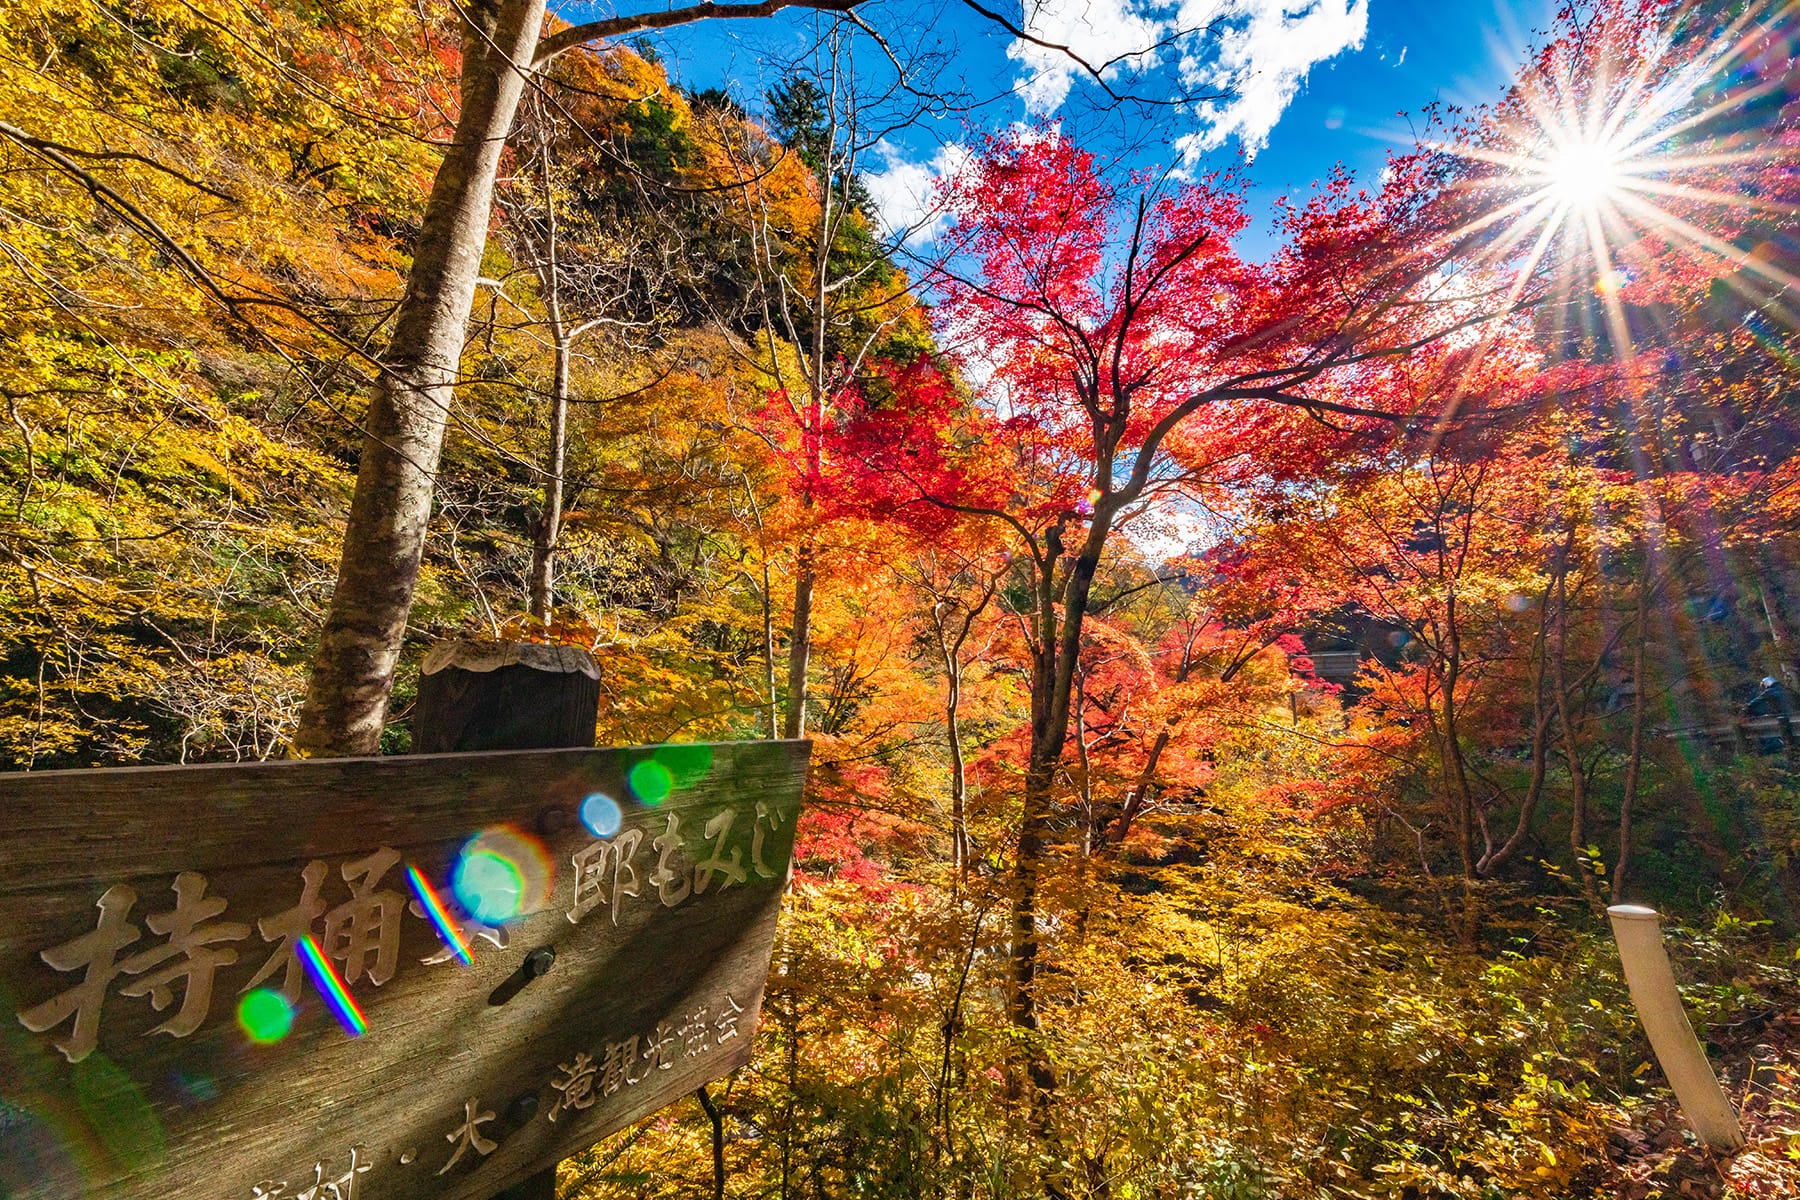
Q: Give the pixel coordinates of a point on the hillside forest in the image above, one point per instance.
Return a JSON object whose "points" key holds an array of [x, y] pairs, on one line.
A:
{"points": [[1237, 682]]}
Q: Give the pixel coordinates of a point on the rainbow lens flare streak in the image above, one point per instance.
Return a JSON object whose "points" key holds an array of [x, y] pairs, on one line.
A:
{"points": [[325, 978], [434, 908]]}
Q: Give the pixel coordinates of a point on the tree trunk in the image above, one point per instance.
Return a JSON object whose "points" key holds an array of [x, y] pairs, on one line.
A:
{"points": [[549, 524], [384, 536], [950, 648], [1052, 691], [959, 773], [1541, 716], [1455, 768], [1139, 794], [1634, 755], [1034, 822], [717, 1120], [768, 635], [384, 539], [1578, 790], [793, 722]]}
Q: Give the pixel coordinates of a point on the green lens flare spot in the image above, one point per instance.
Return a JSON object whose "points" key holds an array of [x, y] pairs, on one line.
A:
{"points": [[119, 1114], [650, 781], [687, 762], [265, 1015], [489, 886]]}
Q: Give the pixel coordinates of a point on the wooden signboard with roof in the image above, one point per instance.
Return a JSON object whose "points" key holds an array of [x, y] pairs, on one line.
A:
{"points": [[379, 978]]}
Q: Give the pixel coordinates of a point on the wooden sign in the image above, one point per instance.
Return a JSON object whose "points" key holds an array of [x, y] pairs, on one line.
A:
{"points": [[377, 978]]}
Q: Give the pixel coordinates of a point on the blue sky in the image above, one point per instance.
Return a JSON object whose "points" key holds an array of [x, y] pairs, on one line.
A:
{"points": [[1314, 82]]}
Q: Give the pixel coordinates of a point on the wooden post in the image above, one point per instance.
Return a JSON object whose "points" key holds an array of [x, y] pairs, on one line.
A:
{"points": [[1638, 932], [507, 696]]}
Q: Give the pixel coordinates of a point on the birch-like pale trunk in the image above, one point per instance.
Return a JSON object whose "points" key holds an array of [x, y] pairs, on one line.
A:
{"points": [[819, 387], [409, 405], [959, 770], [384, 537], [542, 584], [768, 648]]}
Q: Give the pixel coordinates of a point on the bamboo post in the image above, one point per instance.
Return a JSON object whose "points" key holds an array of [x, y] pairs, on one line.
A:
{"points": [[1638, 932]]}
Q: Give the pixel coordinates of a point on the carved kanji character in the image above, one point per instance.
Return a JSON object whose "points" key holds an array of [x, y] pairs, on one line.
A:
{"points": [[617, 1065], [344, 1186], [96, 953], [191, 933], [661, 1048], [467, 928], [625, 848], [665, 878], [590, 863], [576, 1088], [368, 924], [765, 816], [288, 928], [695, 1034], [718, 829], [341, 1188], [727, 1022], [604, 865], [311, 1191], [468, 1134]]}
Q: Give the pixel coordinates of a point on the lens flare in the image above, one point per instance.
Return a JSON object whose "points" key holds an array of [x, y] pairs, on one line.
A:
{"points": [[117, 1113], [501, 875], [37, 1151], [489, 886], [1583, 176], [687, 762], [1620, 156], [1612, 282], [193, 1089], [434, 909], [601, 814], [265, 1015], [650, 781], [325, 978]]}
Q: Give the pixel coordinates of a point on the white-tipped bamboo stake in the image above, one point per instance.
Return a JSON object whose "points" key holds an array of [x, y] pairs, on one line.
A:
{"points": [[1638, 932]]}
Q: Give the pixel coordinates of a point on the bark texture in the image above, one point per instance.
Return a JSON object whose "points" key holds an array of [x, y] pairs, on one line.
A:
{"points": [[793, 720], [384, 536], [384, 539]]}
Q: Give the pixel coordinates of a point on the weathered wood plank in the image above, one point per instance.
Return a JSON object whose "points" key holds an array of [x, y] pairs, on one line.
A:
{"points": [[655, 986]]}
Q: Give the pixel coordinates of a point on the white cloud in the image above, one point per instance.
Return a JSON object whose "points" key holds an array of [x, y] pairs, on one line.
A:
{"points": [[1100, 31], [1261, 53], [906, 193], [1258, 51]]}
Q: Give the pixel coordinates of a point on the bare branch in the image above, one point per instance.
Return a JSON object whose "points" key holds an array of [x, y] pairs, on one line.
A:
{"points": [[612, 27]]}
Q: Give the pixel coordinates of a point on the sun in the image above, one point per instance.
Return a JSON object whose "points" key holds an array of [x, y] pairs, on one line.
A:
{"points": [[1603, 168], [1584, 176], [1632, 137]]}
